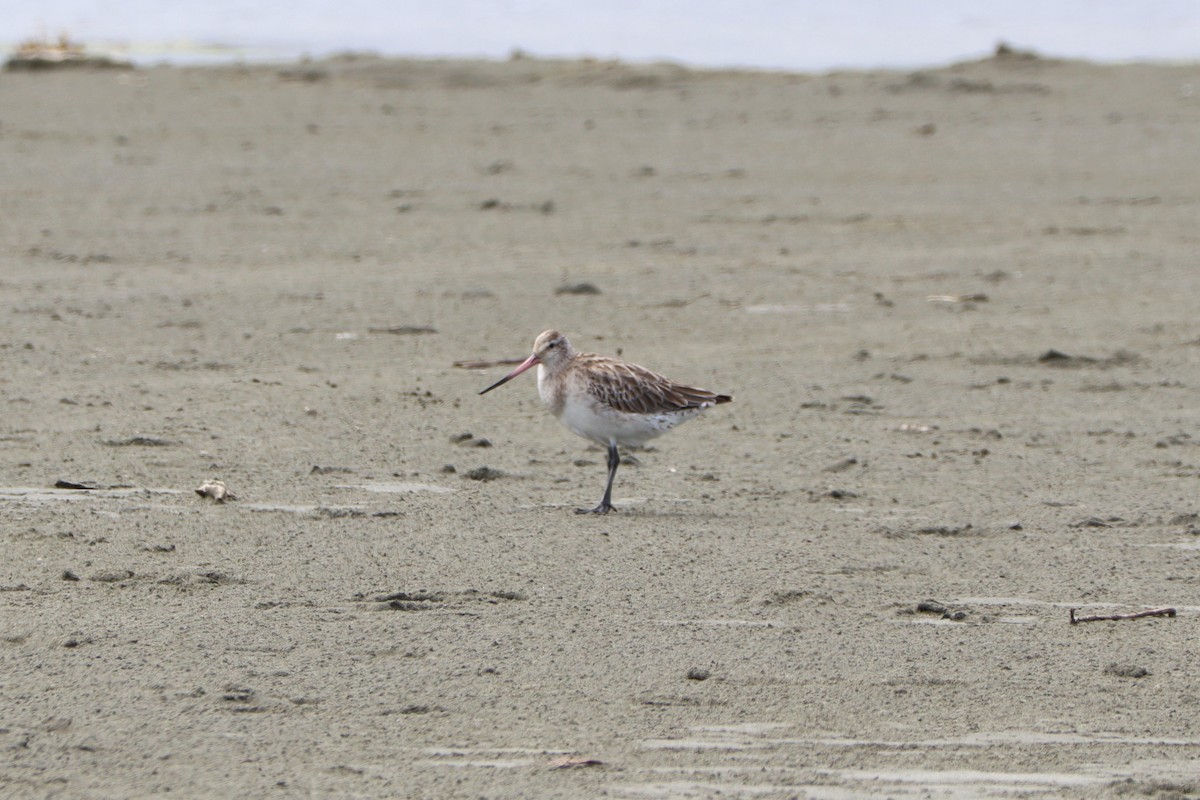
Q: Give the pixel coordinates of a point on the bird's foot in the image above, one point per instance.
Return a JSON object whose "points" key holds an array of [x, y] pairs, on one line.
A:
{"points": [[603, 508]]}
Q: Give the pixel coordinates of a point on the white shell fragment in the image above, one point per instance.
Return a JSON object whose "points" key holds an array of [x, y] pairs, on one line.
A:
{"points": [[216, 490]]}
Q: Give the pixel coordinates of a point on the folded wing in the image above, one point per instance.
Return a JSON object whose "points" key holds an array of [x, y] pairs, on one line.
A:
{"points": [[636, 390]]}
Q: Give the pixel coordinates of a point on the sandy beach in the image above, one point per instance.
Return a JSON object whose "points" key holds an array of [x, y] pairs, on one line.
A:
{"points": [[957, 311]]}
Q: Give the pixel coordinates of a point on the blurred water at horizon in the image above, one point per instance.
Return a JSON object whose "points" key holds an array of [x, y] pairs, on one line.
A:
{"points": [[816, 35]]}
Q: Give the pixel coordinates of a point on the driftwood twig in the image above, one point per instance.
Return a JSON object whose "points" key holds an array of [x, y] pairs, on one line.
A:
{"points": [[502, 362], [1154, 612]]}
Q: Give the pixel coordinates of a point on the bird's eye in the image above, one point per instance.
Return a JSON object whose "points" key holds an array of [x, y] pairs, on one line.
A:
{"points": [[553, 344]]}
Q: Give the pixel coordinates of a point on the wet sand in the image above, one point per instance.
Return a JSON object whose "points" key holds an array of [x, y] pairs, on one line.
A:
{"points": [[957, 312]]}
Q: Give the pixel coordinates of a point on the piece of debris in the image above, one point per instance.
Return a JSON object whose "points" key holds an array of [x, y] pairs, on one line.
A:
{"points": [[503, 362], [1053, 356], [470, 440], [578, 288], [1154, 612], [1004, 50], [1057, 358], [216, 490], [405, 330], [941, 610], [975, 297], [61, 484], [43, 54], [138, 441], [574, 762]]}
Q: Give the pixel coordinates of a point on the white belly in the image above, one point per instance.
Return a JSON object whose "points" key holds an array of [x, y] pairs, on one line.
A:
{"points": [[606, 426]]}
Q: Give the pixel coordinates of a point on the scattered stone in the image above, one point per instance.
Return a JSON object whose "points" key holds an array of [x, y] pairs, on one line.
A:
{"points": [[1126, 671], [578, 288], [484, 474], [1176, 439], [412, 597], [1096, 522], [218, 578], [469, 440], [112, 576], [1052, 356], [698, 674], [305, 75], [942, 610], [319, 470], [408, 605], [1057, 358], [945, 530], [339, 512], [785, 596]]}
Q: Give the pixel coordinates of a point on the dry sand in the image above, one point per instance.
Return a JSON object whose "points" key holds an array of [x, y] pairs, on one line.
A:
{"points": [[216, 273]]}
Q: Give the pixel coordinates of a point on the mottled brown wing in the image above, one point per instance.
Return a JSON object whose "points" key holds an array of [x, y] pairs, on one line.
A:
{"points": [[637, 390]]}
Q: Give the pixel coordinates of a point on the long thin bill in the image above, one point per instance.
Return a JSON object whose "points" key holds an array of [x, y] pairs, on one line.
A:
{"points": [[526, 364]]}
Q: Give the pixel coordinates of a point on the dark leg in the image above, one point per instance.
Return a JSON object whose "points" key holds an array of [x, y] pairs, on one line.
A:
{"points": [[614, 459]]}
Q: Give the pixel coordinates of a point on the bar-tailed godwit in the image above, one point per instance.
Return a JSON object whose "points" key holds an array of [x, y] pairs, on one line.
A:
{"points": [[608, 400]]}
